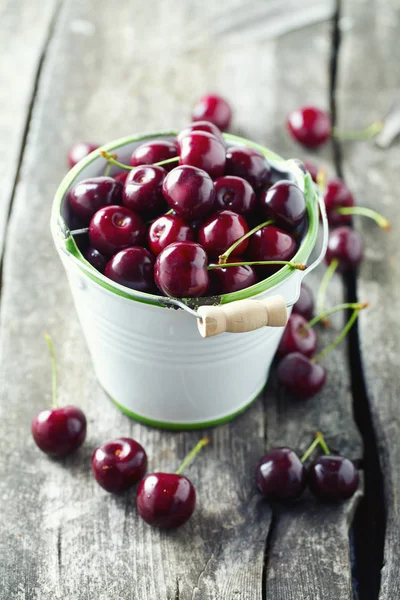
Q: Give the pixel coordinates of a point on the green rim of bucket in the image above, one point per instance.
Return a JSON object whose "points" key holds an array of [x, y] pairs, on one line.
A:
{"points": [[185, 426], [61, 232]]}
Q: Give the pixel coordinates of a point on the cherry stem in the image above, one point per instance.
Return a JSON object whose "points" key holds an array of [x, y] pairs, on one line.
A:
{"points": [[321, 180], [324, 286], [79, 231], [111, 158], [203, 442], [53, 368], [326, 313], [365, 212], [224, 257], [169, 212], [294, 265], [340, 337], [319, 441], [361, 134], [108, 169]]}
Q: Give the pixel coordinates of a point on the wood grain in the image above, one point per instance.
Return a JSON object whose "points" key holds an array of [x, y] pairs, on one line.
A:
{"points": [[366, 91], [102, 78], [24, 35]]}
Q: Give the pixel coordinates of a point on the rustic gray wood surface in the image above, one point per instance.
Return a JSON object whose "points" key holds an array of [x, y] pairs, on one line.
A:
{"points": [[108, 72]]}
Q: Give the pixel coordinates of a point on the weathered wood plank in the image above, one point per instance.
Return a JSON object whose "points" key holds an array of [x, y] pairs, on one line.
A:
{"points": [[24, 32], [69, 538], [368, 84]]}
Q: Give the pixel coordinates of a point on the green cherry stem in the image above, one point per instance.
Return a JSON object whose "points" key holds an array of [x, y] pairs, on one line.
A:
{"points": [[324, 286], [53, 369], [361, 134], [365, 212], [107, 170], [294, 265], [203, 442], [322, 442], [224, 257], [319, 441], [340, 337], [167, 161], [112, 159], [330, 311]]}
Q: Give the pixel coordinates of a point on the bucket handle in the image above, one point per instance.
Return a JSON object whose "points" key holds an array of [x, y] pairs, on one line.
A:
{"points": [[248, 315]]}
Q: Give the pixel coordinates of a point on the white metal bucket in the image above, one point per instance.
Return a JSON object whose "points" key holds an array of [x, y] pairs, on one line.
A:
{"points": [[151, 359]]}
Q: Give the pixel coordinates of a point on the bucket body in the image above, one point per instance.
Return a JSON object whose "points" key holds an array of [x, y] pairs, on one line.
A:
{"points": [[150, 359]]}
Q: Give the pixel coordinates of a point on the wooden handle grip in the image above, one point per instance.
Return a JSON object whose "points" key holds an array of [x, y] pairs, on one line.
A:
{"points": [[241, 316]]}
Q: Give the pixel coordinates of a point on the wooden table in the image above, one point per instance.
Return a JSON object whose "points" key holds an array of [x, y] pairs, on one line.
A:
{"points": [[99, 70]]}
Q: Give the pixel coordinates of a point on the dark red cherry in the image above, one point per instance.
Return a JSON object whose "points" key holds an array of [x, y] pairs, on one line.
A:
{"points": [[96, 258], [235, 193], [226, 280], [296, 338], [121, 177], [201, 126], [89, 195], [166, 230], [119, 464], [305, 304], [143, 190], [300, 375], [345, 245], [116, 227], [132, 267], [181, 270], [79, 150], [285, 203], [165, 500], [189, 191], [271, 243], [310, 126], [312, 169], [215, 109], [220, 231], [280, 475], [59, 431], [337, 195], [333, 478], [204, 151], [153, 152], [249, 164]]}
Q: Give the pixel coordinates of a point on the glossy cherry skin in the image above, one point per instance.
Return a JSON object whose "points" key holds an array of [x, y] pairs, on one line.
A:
{"points": [[132, 267], [305, 304], [249, 164], [166, 230], [346, 245], [143, 190], [121, 177], [300, 375], [280, 475], [153, 152], [96, 259], [235, 193], [204, 151], [166, 500], [285, 203], [119, 464], [114, 228], [215, 109], [310, 126], [337, 195], [226, 280], [201, 126], [190, 192], [79, 150], [89, 195], [59, 431], [333, 478], [296, 338], [271, 243], [221, 230], [312, 169], [181, 270]]}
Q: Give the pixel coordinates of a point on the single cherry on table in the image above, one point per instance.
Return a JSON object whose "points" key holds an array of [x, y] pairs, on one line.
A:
{"points": [[310, 126], [305, 304], [79, 150], [58, 431], [280, 475], [333, 478], [346, 247], [297, 337], [119, 464]]}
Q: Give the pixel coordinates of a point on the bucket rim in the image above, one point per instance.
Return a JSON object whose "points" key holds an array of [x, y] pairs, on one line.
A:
{"points": [[64, 241]]}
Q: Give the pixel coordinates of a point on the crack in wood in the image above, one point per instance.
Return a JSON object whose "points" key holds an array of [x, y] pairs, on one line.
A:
{"points": [[59, 551], [268, 544]]}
